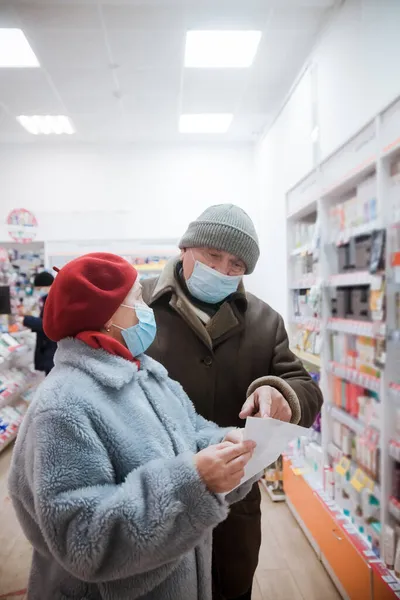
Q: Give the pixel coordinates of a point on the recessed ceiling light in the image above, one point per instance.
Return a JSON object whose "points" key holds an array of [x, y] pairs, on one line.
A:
{"points": [[205, 123], [15, 50], [46, 124], [221, 49]]}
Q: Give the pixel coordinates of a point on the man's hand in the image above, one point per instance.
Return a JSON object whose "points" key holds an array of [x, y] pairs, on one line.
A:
{"points": [[266, 401]]}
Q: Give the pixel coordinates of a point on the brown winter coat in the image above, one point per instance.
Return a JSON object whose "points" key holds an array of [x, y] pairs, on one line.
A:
{"points": [[244, 346]]}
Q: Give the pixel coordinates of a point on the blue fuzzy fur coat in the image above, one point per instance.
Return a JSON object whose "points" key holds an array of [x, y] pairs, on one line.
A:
{"points": [[104, 484]]}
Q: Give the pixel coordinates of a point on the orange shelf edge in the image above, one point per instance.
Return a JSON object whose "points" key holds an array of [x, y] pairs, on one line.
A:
{"points": [[350, 566]]}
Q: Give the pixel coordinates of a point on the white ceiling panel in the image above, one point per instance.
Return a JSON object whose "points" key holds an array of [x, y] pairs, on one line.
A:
{"points": [[149, 81], [82, 80], [146, 49], [116, 66], [27, 91], [228, 14], [9, 17], [213, 90], [9, 126], [38, 16], [69, 48], [88, 103], [144, 17], [325, 4], [149, 105]]}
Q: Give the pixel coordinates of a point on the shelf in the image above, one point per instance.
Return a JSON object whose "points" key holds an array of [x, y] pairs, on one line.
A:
{"points": [[19, 391], [350, 179], [352, 327], [391, 148], [343, 417], [355, 278], [367, 381], [9, 440], [309, 323], [311, 359], [274, 497], [336, 453], [304, 283], [394, 390], [316, 437], [344, 236], [33, 382], [394, 450], [394, 509], [303, 250]]}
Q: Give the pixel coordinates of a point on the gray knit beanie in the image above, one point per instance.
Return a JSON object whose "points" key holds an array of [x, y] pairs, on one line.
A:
{"points": [[225, 227]]}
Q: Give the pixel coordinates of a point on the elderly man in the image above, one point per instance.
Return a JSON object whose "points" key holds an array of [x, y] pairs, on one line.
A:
{"points": [[225, 345]]}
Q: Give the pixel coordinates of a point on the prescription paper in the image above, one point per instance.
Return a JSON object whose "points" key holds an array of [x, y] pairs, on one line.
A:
{"points": [[272, 437]]}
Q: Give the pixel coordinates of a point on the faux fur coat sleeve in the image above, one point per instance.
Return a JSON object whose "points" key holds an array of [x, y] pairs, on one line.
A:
{"points": [[100, 531], [208, 433]]}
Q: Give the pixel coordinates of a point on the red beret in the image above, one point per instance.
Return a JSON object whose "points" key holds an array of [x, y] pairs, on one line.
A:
{"points": [[86, 293]]}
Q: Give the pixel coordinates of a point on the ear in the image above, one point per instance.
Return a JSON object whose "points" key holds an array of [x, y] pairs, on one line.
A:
{"points": [[183, 252]]}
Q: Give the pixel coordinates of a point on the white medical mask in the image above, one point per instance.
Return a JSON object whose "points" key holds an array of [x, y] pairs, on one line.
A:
{"points": [[211, 286], [139, 337]]}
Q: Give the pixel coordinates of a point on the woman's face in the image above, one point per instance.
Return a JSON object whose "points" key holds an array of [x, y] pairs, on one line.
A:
{"points": [[125, 316]]}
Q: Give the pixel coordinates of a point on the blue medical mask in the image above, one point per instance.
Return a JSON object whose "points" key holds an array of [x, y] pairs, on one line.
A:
{"points": [[139, 337], [211, 286]]}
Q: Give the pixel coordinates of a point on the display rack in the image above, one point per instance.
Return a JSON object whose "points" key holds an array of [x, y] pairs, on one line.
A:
{"points": [[343, 232], [148, 256], [17, 382], [19, 264]]}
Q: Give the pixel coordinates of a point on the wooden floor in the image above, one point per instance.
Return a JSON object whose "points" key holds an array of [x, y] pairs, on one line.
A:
{"points": [[288, 569]]}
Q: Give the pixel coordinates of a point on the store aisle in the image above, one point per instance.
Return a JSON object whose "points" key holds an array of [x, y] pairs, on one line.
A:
{"points": [[289, 569]]}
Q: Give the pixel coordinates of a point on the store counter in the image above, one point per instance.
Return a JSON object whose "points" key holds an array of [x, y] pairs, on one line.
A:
{"points": [[355, 570]]}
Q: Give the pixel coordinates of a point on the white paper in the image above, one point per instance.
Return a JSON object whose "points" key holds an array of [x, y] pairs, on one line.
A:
{"points": [[272, 437]]}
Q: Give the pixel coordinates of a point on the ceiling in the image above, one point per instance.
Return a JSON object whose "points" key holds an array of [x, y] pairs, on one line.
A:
{"points": [[116, 68]]}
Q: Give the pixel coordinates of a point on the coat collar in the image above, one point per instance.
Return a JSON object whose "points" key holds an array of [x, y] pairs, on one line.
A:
{"points": [[106, 368], [227, 321]]}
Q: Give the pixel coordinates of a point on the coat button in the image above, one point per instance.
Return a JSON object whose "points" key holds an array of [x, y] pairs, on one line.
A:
{"points": [[208, 361]]}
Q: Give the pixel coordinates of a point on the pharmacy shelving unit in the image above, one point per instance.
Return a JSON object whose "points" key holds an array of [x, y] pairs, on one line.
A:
{"points": [[18, 381], [369, 163]]}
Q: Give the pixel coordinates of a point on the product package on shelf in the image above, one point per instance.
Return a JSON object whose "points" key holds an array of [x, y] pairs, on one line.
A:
{"points": [[273, 481], [18, 267], [306, 334], [358, 212], [359, 353]]}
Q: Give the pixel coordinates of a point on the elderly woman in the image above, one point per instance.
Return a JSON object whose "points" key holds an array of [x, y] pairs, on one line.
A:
{"points": [[115, 479]]}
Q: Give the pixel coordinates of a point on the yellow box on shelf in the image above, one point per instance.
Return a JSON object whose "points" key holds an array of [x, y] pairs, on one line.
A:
{"points": [[343, 466]]}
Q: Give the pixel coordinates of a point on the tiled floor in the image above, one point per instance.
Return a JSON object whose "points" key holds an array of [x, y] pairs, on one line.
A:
{"points": [[288, 569]]}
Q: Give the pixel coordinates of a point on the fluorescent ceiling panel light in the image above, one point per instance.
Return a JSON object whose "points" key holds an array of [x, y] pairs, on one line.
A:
{"points": [[46, 124], [205, 123], [15, 50], [221, 49]]}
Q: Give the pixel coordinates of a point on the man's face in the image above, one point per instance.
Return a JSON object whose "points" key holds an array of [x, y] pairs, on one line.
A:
{"points": [[221, 261]]}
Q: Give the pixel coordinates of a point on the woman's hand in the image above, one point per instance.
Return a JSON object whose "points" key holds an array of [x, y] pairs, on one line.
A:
{"points": [[235, 436], [221, 467]]}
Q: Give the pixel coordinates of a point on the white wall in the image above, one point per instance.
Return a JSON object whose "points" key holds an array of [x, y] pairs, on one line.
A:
{"points": [[356, 65], [281, 159], [74, 190]]}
